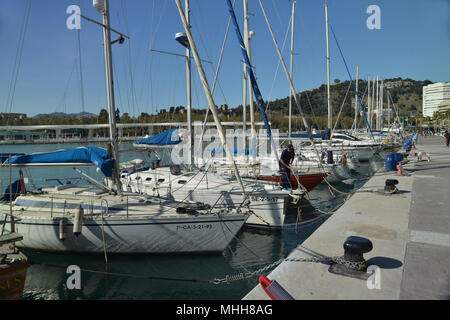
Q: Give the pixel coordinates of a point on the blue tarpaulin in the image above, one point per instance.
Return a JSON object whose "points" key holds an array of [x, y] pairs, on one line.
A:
{"points": [[325, 135], [5, 156], [96, 156], [169, 137]]}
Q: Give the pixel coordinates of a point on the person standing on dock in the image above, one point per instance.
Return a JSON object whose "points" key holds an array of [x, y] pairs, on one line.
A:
{"points": [[447, 137], [286, 159]]}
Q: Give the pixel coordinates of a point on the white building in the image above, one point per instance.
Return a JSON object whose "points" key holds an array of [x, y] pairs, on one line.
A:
{"points": [[433, 95]]}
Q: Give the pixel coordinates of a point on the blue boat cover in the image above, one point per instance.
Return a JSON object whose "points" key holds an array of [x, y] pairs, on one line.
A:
{"points": [[5, 156], [169, 137], [96, 156], [325, 135]]}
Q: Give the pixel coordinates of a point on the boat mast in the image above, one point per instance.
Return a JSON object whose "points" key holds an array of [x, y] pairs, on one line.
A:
{"points": [[244, 93], [330, 121], [368, 100], [212, 105], [372, 102], [291, 67], [189, 90], [381, 105], [377, 123], [247, 35], [356, 97], [103, 8], [389, 110]]}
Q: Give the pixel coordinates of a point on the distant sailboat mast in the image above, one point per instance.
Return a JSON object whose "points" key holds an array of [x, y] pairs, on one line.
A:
{"points": [[356, 98], [330, 116], [291, 67]]}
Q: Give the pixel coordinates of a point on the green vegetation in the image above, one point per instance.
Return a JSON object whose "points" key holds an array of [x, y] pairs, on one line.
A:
{"points": [[406, 95]]}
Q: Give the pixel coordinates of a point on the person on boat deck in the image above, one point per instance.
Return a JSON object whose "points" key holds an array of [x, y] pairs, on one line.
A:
{"points": [[286, 159]]}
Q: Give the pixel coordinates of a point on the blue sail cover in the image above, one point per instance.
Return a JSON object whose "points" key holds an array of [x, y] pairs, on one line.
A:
{"points": [[324, 135], [5, 156], [94, 155], [169, 137]]}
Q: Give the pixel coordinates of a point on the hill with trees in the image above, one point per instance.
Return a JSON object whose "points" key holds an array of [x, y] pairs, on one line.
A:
{"points": [[406, 96]]}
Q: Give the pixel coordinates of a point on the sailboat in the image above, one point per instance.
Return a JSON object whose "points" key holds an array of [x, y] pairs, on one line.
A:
{"points": [[101, 218], [215, 184], [337, 142]]}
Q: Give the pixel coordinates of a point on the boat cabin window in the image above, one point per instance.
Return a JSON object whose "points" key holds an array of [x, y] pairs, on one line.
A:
{"points": [[345, 137], [161, 180], [182, 181], [148, 179]]}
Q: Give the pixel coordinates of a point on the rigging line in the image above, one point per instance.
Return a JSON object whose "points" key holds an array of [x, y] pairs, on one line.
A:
{"points": [[129, 275], [278, 64], [362, 99], [219, 64], [342, 106], [278, 15], [19, 55], [118, 87], [207, 55], [16, 59], [310, 106], [351, 80], [62, 100], [129, 60]]}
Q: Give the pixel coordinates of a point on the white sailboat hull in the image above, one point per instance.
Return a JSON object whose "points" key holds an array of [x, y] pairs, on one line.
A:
{"points": [[268, 205], [132, 236], [131, 223]]}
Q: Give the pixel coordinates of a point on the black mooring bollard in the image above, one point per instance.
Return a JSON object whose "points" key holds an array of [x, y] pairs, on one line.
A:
{"points": [[355, 247]]}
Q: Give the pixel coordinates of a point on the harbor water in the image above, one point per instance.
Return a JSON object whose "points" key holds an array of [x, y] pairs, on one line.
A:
{"points": [[171, 277]]}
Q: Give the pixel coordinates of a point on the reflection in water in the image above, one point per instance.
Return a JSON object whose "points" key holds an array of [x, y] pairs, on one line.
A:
{"points": [[249, 251]]}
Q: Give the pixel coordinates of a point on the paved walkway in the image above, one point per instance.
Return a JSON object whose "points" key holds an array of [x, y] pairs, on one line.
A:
{"points": [[410, 232], [427, 261]]}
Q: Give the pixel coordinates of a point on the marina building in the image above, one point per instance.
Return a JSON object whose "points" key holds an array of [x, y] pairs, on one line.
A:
{"points": [[433, 96]]}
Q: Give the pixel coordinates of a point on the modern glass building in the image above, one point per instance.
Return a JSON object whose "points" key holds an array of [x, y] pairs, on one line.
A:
{"points": [[433, 95]]}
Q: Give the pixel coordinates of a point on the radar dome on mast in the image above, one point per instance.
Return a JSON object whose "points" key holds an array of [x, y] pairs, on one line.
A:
{"points": [[182, 38], [99, 5]]}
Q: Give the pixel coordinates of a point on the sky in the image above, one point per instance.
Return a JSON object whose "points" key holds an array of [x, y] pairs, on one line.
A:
{"points": [[413, 42]]}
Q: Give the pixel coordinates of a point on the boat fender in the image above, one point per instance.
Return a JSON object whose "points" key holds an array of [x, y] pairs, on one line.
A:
{"points": [[78, 221], [62, 229], [273, 289]]}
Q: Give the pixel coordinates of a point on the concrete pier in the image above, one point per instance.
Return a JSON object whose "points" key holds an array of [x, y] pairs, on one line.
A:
{"points": [[410, 232]]}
